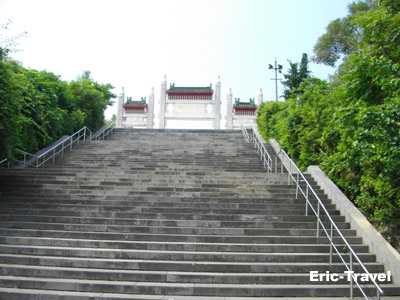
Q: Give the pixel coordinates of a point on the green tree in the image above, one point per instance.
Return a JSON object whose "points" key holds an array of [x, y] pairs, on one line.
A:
{"points": [[92, 98], [342, 36], [297, 73], [351, 126], [364, 161], [37, 107], [112, 120], [10, 106]]}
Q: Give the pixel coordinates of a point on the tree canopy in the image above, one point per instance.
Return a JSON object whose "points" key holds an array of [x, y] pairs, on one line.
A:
{"points": [[37, 107], [350, 125], [298, 72], [342, 36]]}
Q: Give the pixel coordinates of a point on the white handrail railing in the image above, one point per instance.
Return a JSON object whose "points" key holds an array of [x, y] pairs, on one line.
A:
{"points": [[105, 132], [4, 161], [264, 155], [37, 161], [245, 133], [333, 227], [317, 211], [53, 152]]}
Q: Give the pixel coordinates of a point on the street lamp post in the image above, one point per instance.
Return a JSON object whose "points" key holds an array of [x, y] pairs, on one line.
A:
{"points": [[298, 94], [277, 68]]}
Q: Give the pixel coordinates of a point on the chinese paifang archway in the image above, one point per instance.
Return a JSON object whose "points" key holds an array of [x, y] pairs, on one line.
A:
{"points": [[182, 103]]}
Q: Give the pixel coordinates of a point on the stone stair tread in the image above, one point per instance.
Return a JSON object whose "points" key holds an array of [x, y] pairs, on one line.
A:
{"points": [[164, 214], [190, 237], [182, 289], [180, 246], [176, 255]]}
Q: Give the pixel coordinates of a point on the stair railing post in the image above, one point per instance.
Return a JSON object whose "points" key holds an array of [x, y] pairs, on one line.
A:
{"points": [[264, 161], [307, 200], [54, 155], [351, 275], [318, 219], [70, 144], [84, 134], [331, 246], [276, 164], [298, 185], [290, 172]]}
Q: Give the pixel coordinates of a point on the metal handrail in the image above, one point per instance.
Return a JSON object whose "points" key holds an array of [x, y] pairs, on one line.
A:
{"points": [[75, 138], [245, 133], [40, 160], [264, 155], [105, 132], [5, 160], [332, 225], [25, 161]]}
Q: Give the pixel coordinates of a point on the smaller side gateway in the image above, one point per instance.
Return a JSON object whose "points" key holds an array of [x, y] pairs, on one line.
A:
{"points": [[242, 112], [135, 114], [188, 104]]}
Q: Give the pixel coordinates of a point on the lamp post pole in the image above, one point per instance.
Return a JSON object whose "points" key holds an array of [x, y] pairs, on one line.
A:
{"points": [[276, 68], [298, 94]]}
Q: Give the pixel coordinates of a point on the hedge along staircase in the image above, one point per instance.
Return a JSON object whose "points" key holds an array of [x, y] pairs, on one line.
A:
{"points": [[163, 214]]}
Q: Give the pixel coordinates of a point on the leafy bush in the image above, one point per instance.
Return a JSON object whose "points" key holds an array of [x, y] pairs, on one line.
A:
{"points": [[351, 125], [37, 107]]}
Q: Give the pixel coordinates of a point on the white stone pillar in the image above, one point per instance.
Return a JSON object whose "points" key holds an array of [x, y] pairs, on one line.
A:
{"points": [[120, 102], [163, 98], [150, 109], [229, 110], [260, 97], [217, 105]]}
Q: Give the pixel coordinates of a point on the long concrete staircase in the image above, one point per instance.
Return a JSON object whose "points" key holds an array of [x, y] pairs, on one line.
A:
{"points": [[163, 214]]}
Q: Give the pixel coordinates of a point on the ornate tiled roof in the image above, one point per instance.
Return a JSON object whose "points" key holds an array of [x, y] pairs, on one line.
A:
{"points": [[190, 89], [250, 104], [130, 102]]}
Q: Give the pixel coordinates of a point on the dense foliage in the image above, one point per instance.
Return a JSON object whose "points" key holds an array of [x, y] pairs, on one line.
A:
{"points": [[350, 126], [37, 107], [295, 76]]}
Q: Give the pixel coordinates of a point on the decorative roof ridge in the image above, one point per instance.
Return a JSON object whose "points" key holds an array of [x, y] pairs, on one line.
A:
{"points": [[204, 89], [141, 102], [238, 103]]}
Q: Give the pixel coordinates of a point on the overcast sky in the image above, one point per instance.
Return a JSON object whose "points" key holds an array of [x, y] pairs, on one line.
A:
{"points": [[132, 43]]}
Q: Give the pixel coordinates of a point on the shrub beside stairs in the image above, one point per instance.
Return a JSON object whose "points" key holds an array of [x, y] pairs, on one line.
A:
{"points": [[164, 214]]}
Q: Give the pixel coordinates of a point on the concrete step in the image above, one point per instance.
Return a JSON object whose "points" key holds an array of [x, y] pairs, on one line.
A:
{"points": [[159, 214], [184, 289], [163, 222], [177, 246], [184, 266], [24, 271], [168, 230], [176, 255], [298, 239], [168, 216]]}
